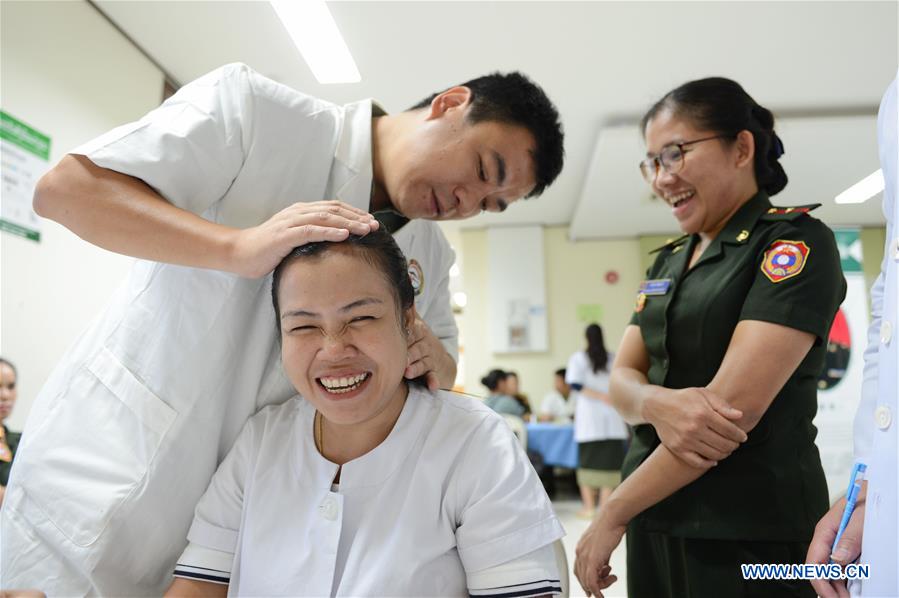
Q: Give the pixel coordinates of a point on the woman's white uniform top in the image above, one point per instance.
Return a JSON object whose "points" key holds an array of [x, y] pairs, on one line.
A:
{"points": [[593, 419], [877, 418], [129, 428], [448, 496]]}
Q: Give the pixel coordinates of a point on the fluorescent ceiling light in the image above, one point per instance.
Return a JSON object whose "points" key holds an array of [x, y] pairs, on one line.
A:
{"points": [[863, 190], [313, 30]]}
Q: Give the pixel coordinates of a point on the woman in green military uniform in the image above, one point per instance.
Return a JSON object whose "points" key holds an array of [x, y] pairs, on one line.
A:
{"points": [[718, 367]]}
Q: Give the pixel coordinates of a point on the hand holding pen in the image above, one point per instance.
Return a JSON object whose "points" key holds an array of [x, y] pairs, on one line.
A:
{"points": [[852, 497], [836, 543]]}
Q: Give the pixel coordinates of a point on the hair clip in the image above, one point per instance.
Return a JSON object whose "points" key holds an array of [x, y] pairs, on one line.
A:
{"points": [[778, 146]]}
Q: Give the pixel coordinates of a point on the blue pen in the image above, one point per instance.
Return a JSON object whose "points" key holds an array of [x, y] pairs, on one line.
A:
{"points": [[855, 486], [858, 468]]}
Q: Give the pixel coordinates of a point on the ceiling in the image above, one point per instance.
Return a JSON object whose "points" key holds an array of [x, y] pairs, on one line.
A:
{"points": [[820, 66]]}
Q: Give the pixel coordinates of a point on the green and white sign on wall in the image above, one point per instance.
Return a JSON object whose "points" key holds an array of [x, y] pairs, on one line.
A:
{"points": [[25, 154], [849, 242]]}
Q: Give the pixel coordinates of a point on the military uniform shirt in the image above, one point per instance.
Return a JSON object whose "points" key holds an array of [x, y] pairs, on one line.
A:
{"points": [[775, 265]]}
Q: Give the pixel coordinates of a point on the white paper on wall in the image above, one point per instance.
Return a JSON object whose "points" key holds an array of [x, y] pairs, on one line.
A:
{"points": [[516, 290]]}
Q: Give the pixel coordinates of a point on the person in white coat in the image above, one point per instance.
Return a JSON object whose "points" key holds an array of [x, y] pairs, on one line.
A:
{"points": [[872, 535], [210, 191], [599, 431], [366, 484]]}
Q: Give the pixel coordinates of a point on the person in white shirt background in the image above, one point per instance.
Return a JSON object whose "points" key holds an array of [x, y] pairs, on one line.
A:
{"points": [[555, 406], [210, 191], [599, 431], [872, 535], [367, 484]]}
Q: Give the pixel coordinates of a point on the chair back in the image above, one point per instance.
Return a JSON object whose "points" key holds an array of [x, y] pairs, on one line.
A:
{"points": [[518, 428]]}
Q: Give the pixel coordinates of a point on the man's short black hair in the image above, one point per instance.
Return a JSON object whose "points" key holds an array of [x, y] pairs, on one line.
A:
{"points": [[512, 98]]}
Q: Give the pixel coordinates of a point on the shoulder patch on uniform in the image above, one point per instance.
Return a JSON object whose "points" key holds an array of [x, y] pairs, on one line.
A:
{"points": [[790, 213], [417, 276], [671, 243], [784, 259]]}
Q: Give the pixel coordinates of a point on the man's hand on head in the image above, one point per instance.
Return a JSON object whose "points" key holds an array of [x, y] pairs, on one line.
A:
{"points": [[256, 251]]}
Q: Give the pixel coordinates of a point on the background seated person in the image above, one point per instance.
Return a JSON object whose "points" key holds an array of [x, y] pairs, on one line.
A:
{"points": [[9, 440], [366, 485], [500, 400], [513, 389], [555, 406]]}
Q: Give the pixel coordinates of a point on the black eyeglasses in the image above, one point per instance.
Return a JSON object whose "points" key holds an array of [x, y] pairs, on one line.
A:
{"points": [[671, 158]]}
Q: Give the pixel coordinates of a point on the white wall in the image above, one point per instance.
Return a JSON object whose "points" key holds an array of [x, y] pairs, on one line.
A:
{"points": [[68, 73], [575, 275]]}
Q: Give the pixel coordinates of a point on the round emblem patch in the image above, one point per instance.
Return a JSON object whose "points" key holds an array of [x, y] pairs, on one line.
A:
{"points": [[417, 276], [784, 259]]}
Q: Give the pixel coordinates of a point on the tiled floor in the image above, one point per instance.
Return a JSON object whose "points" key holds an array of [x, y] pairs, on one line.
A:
{"points": [[566, 510]]}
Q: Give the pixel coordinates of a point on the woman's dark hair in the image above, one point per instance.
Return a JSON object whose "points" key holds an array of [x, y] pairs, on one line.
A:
{"points": [[11, 366], [722, 105], [520, 397], [493, 378], [513, 99], [596, 348], [377, 248]]}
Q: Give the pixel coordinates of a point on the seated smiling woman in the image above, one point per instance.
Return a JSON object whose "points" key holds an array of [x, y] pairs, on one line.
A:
{"points": [[366, 485]]}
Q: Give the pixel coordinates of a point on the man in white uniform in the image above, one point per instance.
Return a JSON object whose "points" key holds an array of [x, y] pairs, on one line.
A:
{"points": [[555, 406], [124, 437], [873, 529]]}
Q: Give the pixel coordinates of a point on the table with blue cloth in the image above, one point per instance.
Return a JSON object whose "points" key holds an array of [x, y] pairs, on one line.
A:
{"points": [[555, 442]]}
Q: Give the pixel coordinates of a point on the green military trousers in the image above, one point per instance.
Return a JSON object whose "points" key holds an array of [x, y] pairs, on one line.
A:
{"points": [[663, 566]]}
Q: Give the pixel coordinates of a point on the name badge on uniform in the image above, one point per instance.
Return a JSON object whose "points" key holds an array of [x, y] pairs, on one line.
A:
{"points": [[659, 286]]}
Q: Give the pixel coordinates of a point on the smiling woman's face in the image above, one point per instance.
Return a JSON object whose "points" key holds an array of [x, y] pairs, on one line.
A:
{"points": [[342, 342], [705, 192]]}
